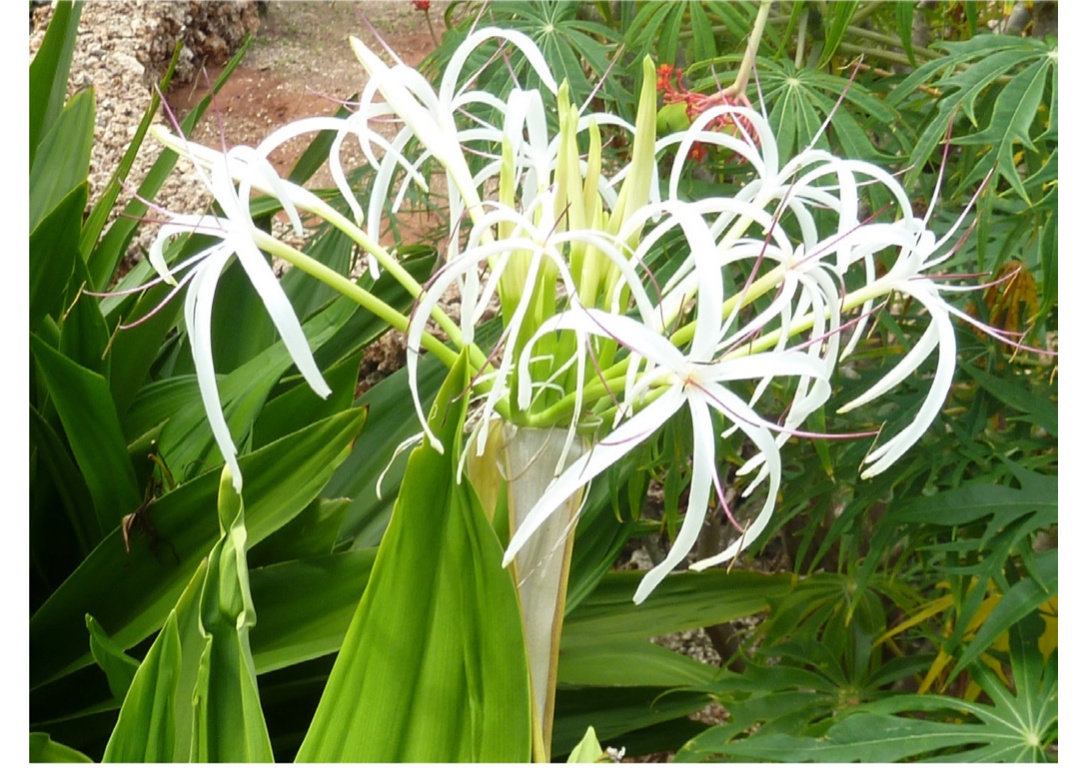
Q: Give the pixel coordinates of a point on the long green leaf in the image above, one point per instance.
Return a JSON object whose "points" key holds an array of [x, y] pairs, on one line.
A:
{"points": [[132, 594], [49, 71], [45, 750], [306, 606], [63, 159], [97, 218], [145, 731], [86, 410], [682, 601], [118, 667], [102, 262], [433, 666], [641, 663], [155, 720], [57, 468], [54, 246], [229, 725]]}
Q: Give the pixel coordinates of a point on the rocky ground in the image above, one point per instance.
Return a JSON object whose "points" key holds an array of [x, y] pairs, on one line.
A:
{"points": [[299, 64]]}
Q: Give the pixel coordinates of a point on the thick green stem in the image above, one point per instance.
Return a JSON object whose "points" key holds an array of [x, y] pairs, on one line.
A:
{"points": [[347, 287], [375, 305]]}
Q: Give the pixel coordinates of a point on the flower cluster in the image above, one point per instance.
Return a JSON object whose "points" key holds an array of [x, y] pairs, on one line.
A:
{"points": [[669, 83], [777, 282]]}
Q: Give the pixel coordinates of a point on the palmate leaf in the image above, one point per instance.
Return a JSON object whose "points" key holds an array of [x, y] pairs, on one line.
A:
{"points": [[577, 51], [1029, 64], [1019, 725], [798, 101]]}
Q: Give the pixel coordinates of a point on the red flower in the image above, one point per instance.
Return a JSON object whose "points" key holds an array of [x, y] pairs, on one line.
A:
{"points": [[663, 77], [422, 5]]}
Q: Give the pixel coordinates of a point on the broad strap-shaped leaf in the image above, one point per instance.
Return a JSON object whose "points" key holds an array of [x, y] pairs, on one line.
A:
{"points": [[118, 667], [132, 594], [110, 249], [49, 71], [99, 215], [682, 601], [186, 439], [292, 626], [155, 722], [86, 411], [631, 662], [45, 750], [54, 246], [63, 159], [55, 466], [433, 666], [195, 696]]}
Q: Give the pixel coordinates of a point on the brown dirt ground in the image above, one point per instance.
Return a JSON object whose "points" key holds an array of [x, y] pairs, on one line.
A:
{"points": [[300, 64]]}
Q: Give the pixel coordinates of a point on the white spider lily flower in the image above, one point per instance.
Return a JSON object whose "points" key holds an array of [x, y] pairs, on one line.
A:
{"points": [[235, 232], [432, 119], [671, 379], [909, 277], [674, 379]]}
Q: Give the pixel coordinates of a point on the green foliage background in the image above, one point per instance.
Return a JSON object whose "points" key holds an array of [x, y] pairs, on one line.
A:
{"points": [[908, 617]]}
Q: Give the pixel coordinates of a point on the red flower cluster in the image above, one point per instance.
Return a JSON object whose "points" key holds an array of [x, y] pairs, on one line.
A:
{"points": [[422, 5], [696, 103]]}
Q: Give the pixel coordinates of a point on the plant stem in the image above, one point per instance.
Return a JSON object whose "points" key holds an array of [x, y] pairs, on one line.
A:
{"points": [[800, 46], [738, 88], [347, 287], [892, 41]]}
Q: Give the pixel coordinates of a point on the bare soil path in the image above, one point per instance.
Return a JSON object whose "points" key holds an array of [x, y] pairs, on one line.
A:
{"points": [[301, 64]]}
